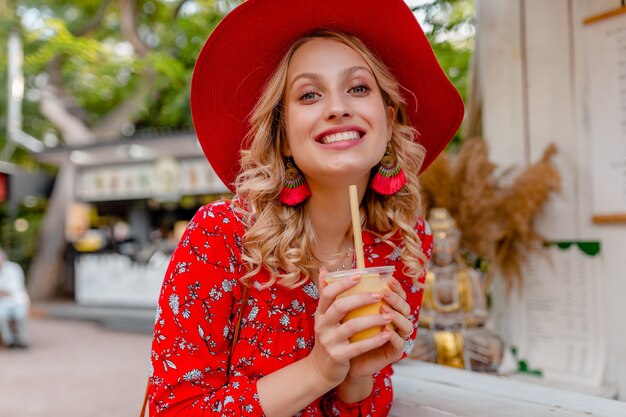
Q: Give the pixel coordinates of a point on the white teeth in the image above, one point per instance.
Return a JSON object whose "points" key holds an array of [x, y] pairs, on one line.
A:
{"points": [[338, 137]]}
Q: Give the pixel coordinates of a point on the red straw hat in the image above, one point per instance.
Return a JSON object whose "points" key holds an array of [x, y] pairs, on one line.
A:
{"points": [[244, 49]]}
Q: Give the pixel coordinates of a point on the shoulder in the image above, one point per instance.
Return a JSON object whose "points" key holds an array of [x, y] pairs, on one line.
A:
{"points": [[219, 216], [219, 210], [392, 247], [214, 235], [209, 252], [421, 228], [424, 236]]}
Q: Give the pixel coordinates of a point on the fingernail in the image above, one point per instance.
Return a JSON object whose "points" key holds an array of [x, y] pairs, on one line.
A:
{"points": [[356, 278], [388, 317], [385, 335], [377, 296], [386, 309]]}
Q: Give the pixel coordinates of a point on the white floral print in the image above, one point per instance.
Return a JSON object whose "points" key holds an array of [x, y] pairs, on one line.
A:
{"points": [[192, 372]]}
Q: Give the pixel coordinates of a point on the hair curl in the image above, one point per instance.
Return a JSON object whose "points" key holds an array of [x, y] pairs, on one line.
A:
{"points": [[279, 238]]}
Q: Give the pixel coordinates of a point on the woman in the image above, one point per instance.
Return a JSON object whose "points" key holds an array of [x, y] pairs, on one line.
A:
{"points": [[294, 100]]}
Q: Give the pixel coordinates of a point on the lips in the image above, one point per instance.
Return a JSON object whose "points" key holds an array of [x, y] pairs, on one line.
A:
{"points": [[339, 135]]}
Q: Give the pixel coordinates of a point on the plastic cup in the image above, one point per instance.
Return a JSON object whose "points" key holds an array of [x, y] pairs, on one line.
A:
{"points": [[372, 280]]}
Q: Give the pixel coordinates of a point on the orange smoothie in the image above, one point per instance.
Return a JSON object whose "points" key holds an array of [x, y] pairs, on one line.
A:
{"points": [[370, 282]]}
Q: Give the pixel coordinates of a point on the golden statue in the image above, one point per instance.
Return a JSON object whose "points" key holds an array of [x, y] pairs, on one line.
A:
{"points": [[454, 309]]}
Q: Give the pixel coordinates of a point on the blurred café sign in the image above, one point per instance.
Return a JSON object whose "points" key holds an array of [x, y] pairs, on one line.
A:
{"points": [[165, 178]]}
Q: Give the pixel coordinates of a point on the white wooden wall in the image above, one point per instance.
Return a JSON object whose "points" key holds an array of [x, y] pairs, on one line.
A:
{"points": [[532, 76]]}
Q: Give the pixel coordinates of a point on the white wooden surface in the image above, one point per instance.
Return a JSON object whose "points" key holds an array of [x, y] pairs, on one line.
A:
{"points": [[533, 80], [427, 390]]}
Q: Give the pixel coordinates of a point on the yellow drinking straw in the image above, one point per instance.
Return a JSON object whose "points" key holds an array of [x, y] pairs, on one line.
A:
{"points": [[356, 227]]}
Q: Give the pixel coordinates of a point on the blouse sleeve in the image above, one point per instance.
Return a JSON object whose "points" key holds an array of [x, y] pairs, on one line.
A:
{"points": [[198, 303], [379, 402]]}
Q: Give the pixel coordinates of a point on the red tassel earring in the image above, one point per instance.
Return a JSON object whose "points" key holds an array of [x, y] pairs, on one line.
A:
{"points": [[295, 189], [390, 176]]}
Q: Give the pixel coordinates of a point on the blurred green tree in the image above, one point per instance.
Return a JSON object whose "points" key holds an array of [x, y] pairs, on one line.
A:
{"points": [[96, 70], [450, 27]]}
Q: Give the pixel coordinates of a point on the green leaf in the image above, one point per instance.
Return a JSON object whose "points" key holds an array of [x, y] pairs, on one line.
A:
{"points": [[590, 248], [522, 366]]}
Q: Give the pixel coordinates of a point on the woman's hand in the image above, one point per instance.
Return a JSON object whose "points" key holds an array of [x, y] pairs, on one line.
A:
{"points": [[333, 352], [397, 312]]}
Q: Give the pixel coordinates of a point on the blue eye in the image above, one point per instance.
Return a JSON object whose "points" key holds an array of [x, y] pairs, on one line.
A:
{"points": [[360, 89], [311, 95]]}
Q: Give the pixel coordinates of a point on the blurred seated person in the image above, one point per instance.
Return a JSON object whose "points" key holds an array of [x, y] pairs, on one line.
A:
{"points": [[14, 303]]}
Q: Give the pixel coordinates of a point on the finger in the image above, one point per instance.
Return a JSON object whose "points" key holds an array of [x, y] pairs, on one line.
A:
{"points": [[396, 302], [329, 292], [404, 327], [342, 306], [355, 349], [341, 333], [396, 287], [356, 325], [397, 342]]}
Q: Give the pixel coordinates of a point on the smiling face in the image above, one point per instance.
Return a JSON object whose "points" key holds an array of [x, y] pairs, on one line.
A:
{"points": [[336, 122]]}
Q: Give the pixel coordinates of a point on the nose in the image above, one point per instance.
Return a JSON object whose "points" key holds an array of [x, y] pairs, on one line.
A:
{"points": [[338, 107]]}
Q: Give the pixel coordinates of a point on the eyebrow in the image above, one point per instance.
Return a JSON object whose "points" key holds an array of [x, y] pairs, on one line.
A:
{"points": [[316, 77]]}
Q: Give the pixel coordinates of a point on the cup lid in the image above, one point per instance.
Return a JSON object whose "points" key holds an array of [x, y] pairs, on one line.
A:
{"points": [[363, 271]]}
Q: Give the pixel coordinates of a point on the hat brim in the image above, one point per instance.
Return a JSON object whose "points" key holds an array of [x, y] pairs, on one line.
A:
{"points": [[244, 49]]}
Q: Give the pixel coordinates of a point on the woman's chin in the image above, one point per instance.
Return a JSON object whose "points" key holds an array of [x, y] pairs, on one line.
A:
{"points": [[344, 175]]}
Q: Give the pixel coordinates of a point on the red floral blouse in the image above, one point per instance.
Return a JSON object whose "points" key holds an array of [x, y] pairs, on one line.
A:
{"points": [[198, 306]]}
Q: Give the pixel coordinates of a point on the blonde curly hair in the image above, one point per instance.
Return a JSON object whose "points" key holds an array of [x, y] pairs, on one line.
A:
{"points": [[280, 238]]}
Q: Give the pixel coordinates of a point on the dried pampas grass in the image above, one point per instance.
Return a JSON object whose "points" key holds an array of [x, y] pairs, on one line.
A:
{"points": [[519, 204], [437, 183], [495, 220], [477, 198]]}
